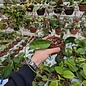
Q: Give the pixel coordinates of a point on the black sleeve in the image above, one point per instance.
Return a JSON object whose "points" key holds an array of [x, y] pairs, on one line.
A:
{"points": [[23, 77]]}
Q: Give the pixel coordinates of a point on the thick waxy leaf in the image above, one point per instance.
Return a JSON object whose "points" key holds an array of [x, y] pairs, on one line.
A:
{"points": [[80, 51], [84, 68], [84, 83], [68, 74], [69, 40], [76, 84], [59, 70], [54, 83], [39, 44], [41, 83], [7, 71]]}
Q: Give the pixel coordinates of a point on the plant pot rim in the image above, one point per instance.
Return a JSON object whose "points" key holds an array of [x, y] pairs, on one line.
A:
{"points": [[58, 45]]}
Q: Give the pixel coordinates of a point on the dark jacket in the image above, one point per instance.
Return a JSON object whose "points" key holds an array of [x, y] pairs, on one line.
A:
{"points": [[23, 77]]}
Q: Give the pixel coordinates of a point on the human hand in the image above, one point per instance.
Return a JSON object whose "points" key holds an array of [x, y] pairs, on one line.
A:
{"points": [[41, 55]]}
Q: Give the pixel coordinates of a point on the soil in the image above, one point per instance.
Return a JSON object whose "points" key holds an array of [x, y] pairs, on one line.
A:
{"points": [[74, 31], [4, 26], [33, 30], [58, 31], [3, 43], [1, 54], [19, 39], [15, 42], [20, 48], [69, 11], [10, 46], [16, 52], [26, 25], [5, 63], [23, 44], [6, 49], [4, 20], [41, 11], [55, 42]]}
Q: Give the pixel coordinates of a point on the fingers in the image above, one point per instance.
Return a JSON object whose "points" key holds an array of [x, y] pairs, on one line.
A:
{"points": [[46, 37], [53, 50]]}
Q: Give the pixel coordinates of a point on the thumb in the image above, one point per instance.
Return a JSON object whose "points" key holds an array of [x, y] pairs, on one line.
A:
{"points": [[53, 50]]}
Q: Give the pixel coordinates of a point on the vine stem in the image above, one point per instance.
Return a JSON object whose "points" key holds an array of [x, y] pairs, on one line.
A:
{"points": [[25, 52]]}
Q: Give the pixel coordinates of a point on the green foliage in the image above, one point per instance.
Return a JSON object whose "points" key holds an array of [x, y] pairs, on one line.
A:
{"points": [[13, 65], [74, 67], [68, 52], [7, 36], [82, 2], [68, 74], [76, 84], [41, 83], [52, 69], [39, 44], [15, 14], [54, 83], [69, 40], [84, 70], [65, 73], [1, 25], [81, 49], [84, 83], [59, 69], [7, 70], [53, 23]]}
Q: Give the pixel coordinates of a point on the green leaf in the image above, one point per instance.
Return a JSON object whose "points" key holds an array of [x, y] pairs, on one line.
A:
{"points": [[71, 64], [20, 55], [84, 83], [71, 61], [52, 69], [80, 75], [84, 68], [81, 59], [44, 77], [2, 67], [69, 40], [76, 84], [39, 44], [28, 20], [72, 67], [7, 71], [7, 41], [68, 74], [35, 8], [52, 2], [33, 83], [80, 51], [16, 60], [1, 25], [59, 70], [68, 52], [41, 83], [54, 83], [3, 47]]}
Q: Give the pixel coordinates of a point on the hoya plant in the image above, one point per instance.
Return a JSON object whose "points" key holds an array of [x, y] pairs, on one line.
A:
{"points": [[65, 73], [80, 49], [16, 16], [82, 2]]}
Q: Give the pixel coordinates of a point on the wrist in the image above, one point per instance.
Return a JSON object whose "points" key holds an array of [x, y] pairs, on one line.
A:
{"points": [[32, 64], [35, 61]]}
